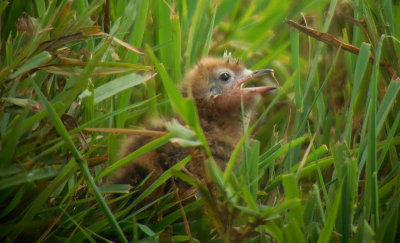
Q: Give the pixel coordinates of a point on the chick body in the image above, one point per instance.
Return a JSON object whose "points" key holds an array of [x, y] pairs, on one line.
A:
{"points": [[216, 85]]}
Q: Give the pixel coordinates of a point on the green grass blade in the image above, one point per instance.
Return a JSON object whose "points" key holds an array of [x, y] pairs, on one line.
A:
{"points": [[40, 200], [135, 154], [387, 103], [28, 176], [327, 231], [135, 38], [55, 119], [32, 63], [388, 141], [209, 33], [389, 220], [371, 181], [194, 32], [160, 180], [175, 96], [291, 192], [81, 82], [294, 40], [10, 142], [115, 86], [361, 66]]}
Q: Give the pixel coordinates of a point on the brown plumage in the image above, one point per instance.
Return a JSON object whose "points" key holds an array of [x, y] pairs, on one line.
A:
{"points": [[216, 85]]}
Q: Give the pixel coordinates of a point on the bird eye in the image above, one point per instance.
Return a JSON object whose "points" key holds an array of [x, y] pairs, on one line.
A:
{"points": [[224, 76]]}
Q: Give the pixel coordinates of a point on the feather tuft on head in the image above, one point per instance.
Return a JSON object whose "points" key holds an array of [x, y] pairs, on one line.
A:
{"points": [[227, 57]]}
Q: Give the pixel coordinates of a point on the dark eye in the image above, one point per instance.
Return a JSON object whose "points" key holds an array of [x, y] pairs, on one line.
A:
{"points": [[224, 76]]}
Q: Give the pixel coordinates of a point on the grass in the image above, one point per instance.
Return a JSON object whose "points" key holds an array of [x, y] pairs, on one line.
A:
{"points": [[323, 161]]}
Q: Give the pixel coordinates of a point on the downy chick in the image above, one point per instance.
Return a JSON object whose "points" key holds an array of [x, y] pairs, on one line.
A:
{"points": [[217, 86]]}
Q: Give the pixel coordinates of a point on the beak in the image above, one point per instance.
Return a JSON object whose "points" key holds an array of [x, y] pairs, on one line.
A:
{"points": [[250, 76]]}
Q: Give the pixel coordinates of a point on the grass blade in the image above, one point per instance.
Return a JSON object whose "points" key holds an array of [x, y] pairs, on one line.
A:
{"points": [[330, 222], [55, 119]]}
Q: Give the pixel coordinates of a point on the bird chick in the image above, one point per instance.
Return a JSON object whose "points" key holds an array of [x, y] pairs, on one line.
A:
{"points": [[217, 87]]}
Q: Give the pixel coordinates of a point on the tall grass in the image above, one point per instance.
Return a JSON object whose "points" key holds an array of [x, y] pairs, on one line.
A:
{"points": [[323, 163]]}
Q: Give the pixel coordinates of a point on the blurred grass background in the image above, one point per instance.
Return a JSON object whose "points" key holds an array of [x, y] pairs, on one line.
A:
{"points": [[323, 166]]}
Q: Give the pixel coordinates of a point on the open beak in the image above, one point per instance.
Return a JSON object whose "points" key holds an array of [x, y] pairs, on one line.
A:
{"points": [[252, 75], [236, 94]]}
